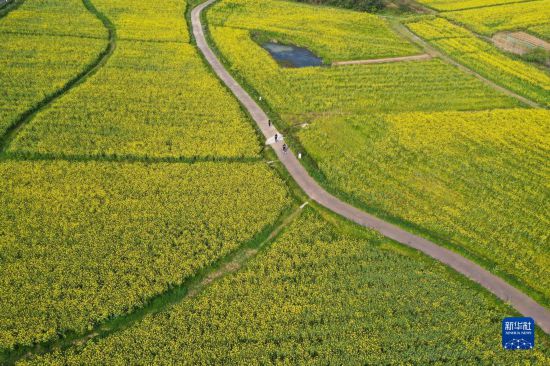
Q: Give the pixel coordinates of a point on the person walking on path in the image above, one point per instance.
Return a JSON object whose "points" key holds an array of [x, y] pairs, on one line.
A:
{"points": [[269, 122], [285, 148], [276, 137]]}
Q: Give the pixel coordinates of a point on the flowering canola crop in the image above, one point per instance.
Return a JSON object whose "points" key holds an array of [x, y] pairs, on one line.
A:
{"points": [[334, 34], [153, 98], [477, 181], [82, 242], [481, 56], [449, 5], [532, 16], [324, 293], [35, 60]]}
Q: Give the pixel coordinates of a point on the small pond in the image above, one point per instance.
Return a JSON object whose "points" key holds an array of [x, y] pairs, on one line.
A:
{"points": [[292, 56]]}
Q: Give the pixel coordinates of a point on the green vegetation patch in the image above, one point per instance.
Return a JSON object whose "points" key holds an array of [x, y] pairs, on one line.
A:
{"points": [[333, 34], [475, 180], [483, 57], [361, 5], [324, 293], [83, 242]]}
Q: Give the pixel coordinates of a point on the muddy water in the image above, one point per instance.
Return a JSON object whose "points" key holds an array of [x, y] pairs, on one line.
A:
{"points": [[292, 56]]}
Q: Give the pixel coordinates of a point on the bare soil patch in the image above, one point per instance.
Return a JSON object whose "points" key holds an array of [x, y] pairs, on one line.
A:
{"points": [[519, 43]]}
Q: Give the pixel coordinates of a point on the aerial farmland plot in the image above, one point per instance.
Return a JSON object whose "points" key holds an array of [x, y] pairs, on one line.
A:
{"points": [[242, 182]]}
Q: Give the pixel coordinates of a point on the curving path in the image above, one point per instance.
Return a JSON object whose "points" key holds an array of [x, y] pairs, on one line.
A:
{"points": [[521, 302]]}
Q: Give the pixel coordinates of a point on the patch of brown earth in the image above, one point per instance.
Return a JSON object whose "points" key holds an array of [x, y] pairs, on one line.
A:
{"points": [[519, 42]]}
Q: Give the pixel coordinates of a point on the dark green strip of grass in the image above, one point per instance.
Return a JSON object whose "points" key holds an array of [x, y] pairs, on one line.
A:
{"points": [[114, 158]]}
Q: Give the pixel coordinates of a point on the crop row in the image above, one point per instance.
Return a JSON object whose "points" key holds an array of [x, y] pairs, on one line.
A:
{"points": [[82, 242], [532, 16], [475, 180], [485, 59], [35, 61], [154, 97], [300, 95], [450, 5], [323, 294]]}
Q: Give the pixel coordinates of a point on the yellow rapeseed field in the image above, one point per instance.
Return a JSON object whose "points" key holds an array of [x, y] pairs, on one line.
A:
{"points": [[83, 242], [37, 58], [533, 16], [483, 57], [477, 181], [324, 293]]}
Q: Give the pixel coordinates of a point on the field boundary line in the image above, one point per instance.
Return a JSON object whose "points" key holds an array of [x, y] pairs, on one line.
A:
{"points": [[385, 60], [46, 34], [11, 131], [496, 285], [31, 156], [407, 33], [189, 288], [488, 6]]}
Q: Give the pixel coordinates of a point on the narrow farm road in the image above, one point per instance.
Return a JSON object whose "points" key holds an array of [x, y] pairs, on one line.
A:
{"points": [[408, 34], [521, 302], [421, 57]]}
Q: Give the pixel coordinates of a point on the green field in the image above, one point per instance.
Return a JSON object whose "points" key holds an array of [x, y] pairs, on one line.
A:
{"points": [[143, 221], [27, 47], [348, 147], [483, 57], [532, 16], [321, 294]]}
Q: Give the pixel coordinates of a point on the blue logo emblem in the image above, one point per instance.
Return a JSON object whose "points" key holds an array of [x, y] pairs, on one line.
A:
{"points": [[518, 333]]}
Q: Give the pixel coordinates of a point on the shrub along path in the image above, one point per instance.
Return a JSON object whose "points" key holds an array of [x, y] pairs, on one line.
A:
{"points": [[521, 302]]}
